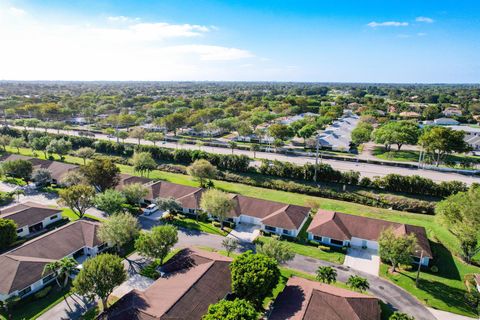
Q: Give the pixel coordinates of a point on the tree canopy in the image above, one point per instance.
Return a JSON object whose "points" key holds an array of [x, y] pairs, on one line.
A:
{"points": [[396, 249], [398, 133], [440, 141], [78, 198], [8, 232], [102, 173], [110, 201], [119, 229], [237, 309], [202, 170], [157, 243], [276, 249], [217, 203]]}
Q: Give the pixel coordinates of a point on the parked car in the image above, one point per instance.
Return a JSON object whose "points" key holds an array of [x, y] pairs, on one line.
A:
{"points": [[151, 208]]}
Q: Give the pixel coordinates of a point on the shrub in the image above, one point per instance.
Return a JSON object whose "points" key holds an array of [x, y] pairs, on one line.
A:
{"points": [[324, 248], [434, 269], [216, 224], [42, 293]]}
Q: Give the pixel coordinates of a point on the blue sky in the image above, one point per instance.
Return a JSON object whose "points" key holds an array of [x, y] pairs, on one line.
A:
{"points": [[341, 41]]}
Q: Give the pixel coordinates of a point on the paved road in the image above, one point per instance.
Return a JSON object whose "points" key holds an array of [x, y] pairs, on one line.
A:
{"points": [[391, 294], [365, 169]]}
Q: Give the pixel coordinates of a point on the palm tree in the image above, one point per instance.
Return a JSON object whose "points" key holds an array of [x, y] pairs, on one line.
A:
{"points": [[232, 145], [358, 283], [62, 267], [326, 275], [254, 148]]}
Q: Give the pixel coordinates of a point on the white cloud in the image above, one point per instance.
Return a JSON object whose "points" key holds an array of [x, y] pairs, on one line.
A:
{"points": [[120, 48], [421, 34], [16, 12], [375, 24], [424, 19]]}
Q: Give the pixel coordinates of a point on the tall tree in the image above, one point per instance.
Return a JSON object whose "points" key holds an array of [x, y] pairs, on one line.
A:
{"points": [[40, 144], [42, 177], [396, 249], [4, 141], [8, 232], [202, 170], [135, 193], [237, 309], [62, 268], [440, 141], [110, 201], [254, 276], [99, 276], [217, 203], [119, 229], [138, 133], [154, 137], [143, 163], [459, 212], [280, 131], [172, 122], [101, 173], [169, 204], [17, 169], [306, 131], [60, 147], [157, 243], [397, 132], [362, 133], [276, 249], [85, 153], [17, 143], [230, 245], [78, 198]]}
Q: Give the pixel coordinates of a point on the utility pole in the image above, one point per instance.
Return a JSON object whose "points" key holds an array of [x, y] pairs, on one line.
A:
{"points": [[419, 267]]}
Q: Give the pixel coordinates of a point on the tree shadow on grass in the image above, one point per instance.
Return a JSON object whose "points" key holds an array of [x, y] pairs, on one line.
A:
{"points": [[445, 262]]}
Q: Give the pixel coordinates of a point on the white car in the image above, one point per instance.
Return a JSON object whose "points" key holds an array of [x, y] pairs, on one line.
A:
{"points": [[151, 208]]}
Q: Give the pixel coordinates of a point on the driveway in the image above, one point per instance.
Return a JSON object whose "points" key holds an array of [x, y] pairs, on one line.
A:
{"points": [[364, 260], [137, 282], [245, 232]]}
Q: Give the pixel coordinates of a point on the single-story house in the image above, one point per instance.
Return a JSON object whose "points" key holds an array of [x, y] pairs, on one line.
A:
{"points": [[337, 136], [189, 197], [341, 229], [57, 169], [21, 269], [450, 112], [127, 179], [303, 299], [271, 216], [31, 217], [192, 280], [446, 122]]}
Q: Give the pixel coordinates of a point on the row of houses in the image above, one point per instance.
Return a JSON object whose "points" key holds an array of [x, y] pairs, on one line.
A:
{"points": [[338, 135], [327, 227], [195, 279]]}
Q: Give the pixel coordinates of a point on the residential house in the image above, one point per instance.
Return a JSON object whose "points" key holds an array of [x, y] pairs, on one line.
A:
{"points": [[127, 179], [309, 300], [22, 269], [31, 217], [472, 135], [446, 122], [409, 114], [452, 112], [291, 119], [270, 216], [57, 169], [189, 197], [191, 281], [341, 229]]}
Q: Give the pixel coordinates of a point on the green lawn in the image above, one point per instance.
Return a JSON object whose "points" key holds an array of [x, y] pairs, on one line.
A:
{"points": [[443, 290], [412, 156], [68, 213], [333, 256], [200, 226], [34, 309]]}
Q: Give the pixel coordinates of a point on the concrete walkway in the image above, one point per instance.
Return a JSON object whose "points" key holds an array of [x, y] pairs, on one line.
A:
{"points": [[442, 315]]}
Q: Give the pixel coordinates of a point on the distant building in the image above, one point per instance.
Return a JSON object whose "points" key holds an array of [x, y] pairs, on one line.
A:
{"points": [[337, 136], [441, 122], [291, 119], [409, 114], [472, 135], [451, 112]]}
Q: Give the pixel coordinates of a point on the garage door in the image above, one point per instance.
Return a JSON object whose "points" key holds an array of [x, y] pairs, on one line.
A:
{"points": [[246, 219]]}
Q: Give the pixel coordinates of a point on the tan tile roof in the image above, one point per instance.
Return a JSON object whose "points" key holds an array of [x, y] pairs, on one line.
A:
{"points": [[58, 169], [275, 214], [342, 226], [308, 300], [24, 265], [126, 179], [28, 213], [197, 279], [188, 196]]}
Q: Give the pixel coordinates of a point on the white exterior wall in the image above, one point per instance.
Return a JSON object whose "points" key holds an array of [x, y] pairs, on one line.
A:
{"points": [[326, 240], [45, 222], [358, 242], [425, 261]]}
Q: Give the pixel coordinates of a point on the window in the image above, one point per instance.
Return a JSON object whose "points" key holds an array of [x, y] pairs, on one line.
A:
{"points": [[20, 230], [336, 242], [192, 211], [24, 291], [285, 231], [48, 278], [317, 238], [53, 217], [270, 228]]}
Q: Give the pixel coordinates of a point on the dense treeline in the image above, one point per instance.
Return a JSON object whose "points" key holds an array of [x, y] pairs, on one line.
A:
{"points": [[240, 163]]}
